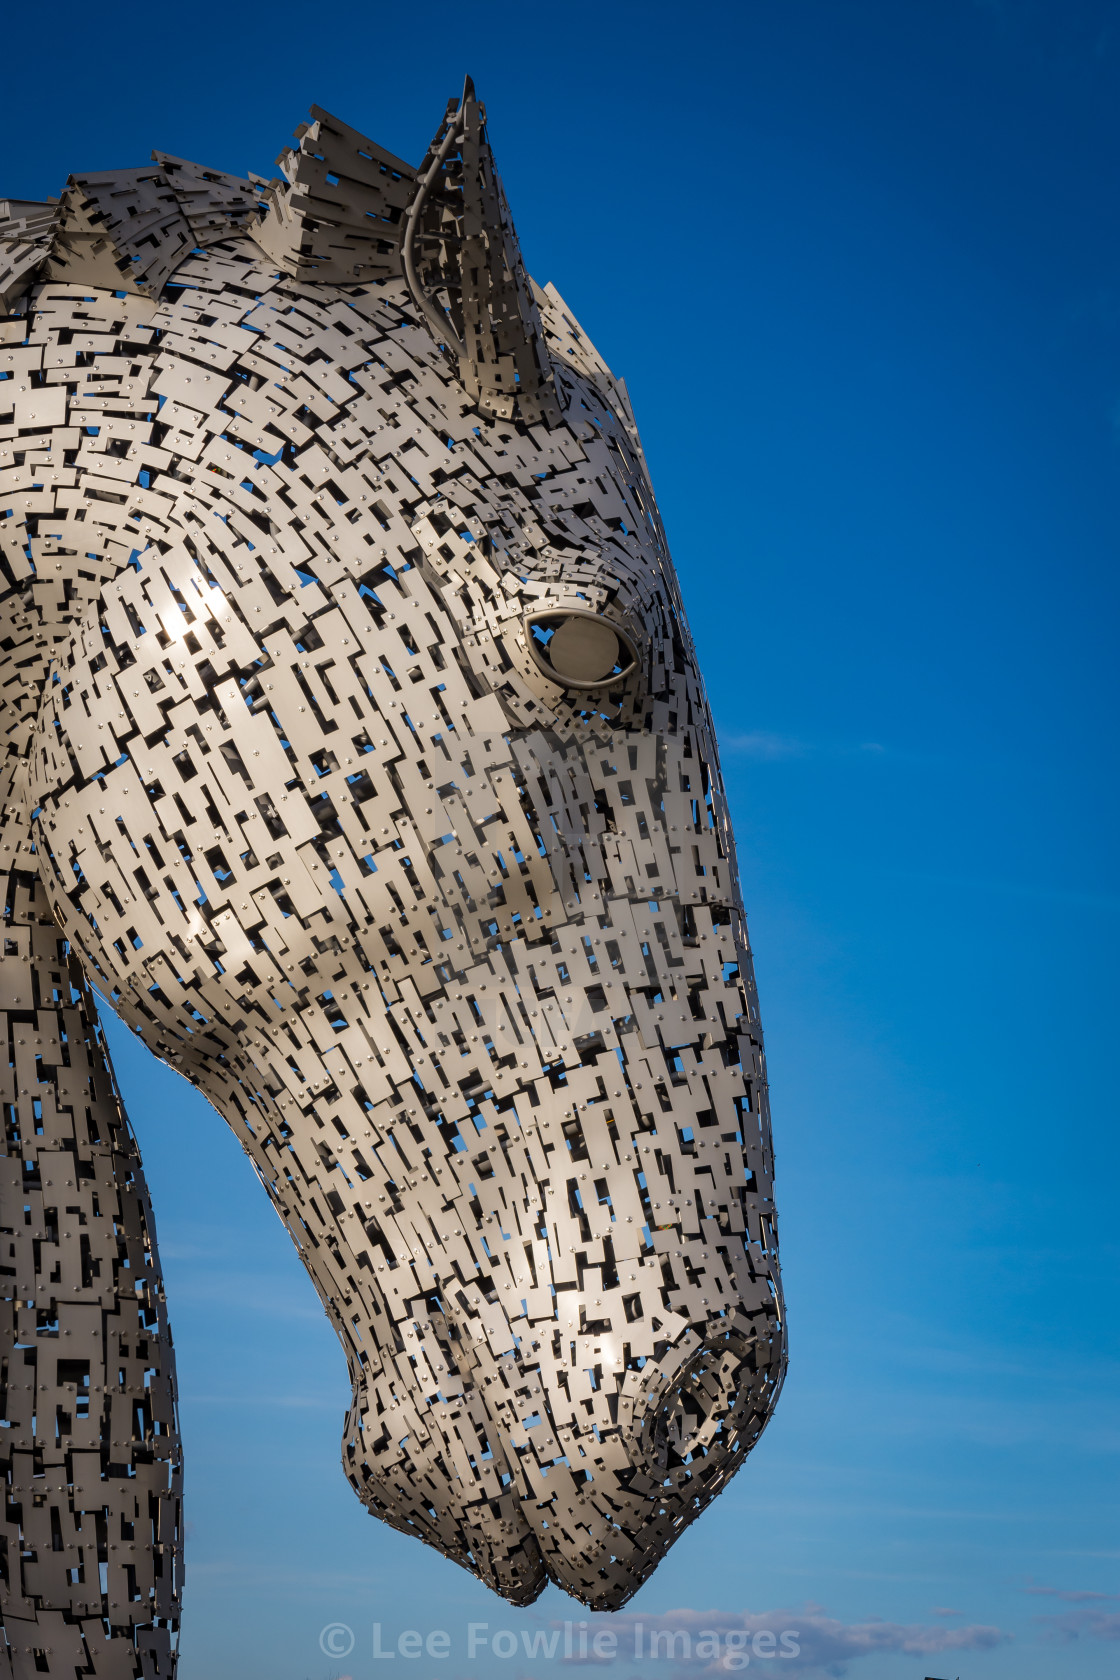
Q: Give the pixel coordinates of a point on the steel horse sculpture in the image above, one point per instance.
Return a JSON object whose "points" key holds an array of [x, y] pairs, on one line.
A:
{"points": [[356, 750]]}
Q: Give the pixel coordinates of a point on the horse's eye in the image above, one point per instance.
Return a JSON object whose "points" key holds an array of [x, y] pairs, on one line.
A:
{"points": [[580, 649]]}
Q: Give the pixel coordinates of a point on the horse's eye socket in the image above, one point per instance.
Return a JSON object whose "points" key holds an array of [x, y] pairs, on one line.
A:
{"points": [[580, 649]]}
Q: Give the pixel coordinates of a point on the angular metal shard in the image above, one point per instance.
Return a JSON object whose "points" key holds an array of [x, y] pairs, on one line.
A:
{"points": [[337, 213]]}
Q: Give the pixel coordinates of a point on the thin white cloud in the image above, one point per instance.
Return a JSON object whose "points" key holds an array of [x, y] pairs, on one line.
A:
{"points": [[760, 745], [766, 747], [1069, 1595]]}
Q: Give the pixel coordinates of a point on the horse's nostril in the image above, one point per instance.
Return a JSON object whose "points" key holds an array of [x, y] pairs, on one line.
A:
{"points": [[579, 648], [689, 1413]]}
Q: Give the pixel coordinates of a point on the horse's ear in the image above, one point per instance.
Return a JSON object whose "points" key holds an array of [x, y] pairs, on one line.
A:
{"points": [[462, 264]]}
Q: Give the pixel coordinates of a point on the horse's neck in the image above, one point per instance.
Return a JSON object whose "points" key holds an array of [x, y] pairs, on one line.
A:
{"points": [[86, 1365], [80, 1350]]}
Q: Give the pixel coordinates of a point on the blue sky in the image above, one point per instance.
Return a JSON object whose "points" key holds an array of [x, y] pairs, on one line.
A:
{"points": [[860, 265]]}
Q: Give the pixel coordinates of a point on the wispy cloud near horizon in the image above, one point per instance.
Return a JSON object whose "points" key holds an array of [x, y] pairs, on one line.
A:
{"points": [[1069, 1595], [1088, 1622], [809, 1641]]}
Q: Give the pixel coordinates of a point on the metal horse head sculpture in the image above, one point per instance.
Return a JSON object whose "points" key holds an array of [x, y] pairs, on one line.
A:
{"points": [[357, 747]]}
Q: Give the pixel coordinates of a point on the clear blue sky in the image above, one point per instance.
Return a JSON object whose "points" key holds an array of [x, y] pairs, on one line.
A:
{"points": [[859, 261]]}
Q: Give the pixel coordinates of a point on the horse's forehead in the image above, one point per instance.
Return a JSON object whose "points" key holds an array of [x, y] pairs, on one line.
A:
{"points": [[320, 333]]}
